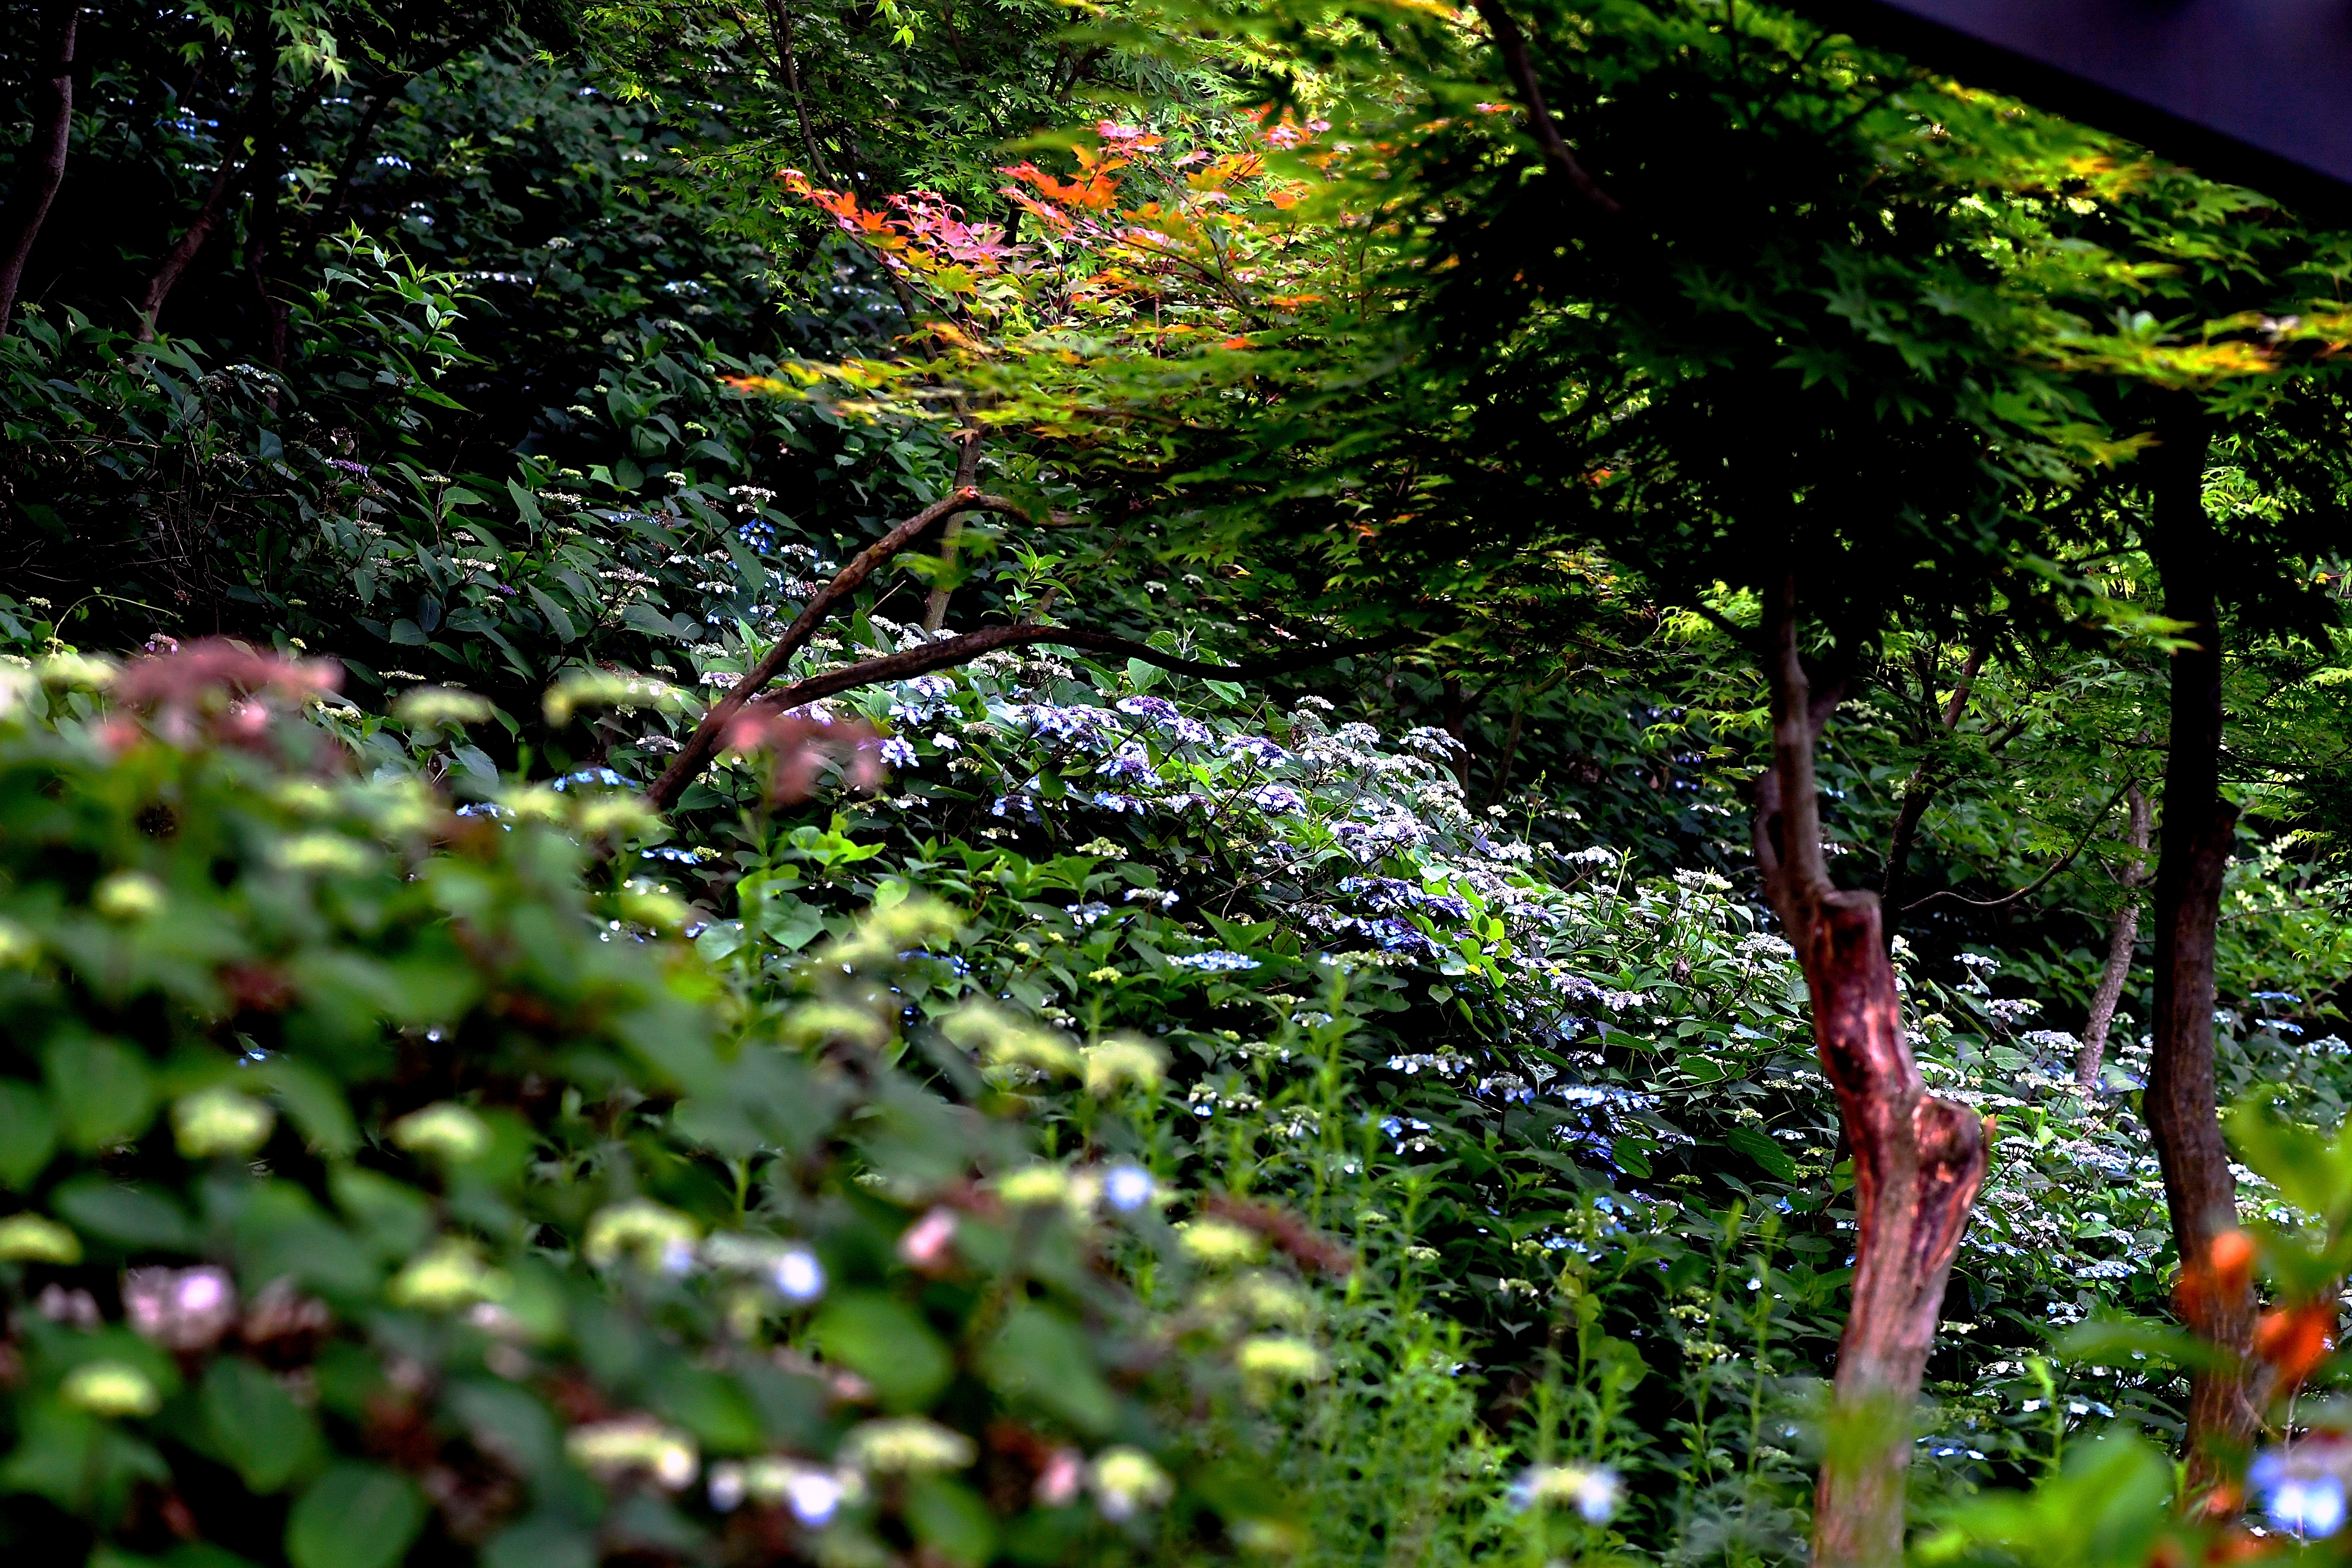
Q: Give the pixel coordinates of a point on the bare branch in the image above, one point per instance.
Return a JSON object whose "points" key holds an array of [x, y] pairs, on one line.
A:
{"points": [[1514, 45], [949, 652], [2037, 883], [708, 737]]}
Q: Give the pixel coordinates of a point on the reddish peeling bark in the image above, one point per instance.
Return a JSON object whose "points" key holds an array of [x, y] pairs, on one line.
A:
{"points": [[2193, 852], [47, 155], [1917, 1160]]}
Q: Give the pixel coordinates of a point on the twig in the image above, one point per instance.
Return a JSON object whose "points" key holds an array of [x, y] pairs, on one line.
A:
{"points": [[2036, 885]]}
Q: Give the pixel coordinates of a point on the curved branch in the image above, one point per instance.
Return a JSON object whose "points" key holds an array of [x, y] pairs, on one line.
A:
{"points": [[949, 652], [2037, 883], [711, 733], [1514, 45]]}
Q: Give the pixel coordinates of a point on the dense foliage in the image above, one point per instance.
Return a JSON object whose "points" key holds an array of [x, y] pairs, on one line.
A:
{"points": [[577, 990]]}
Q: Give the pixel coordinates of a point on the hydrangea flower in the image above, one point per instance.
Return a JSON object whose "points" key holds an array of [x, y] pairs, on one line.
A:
{"points": [[1256, 749], [1214, 962], [1130, 762]]}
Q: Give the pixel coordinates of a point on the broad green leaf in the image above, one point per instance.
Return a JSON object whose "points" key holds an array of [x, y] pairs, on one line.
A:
{"points": [[949, 1517], [136, 1218], [355, 1516], [887, 1343], [104, 1091], [29, 1134], [1043, 1357], [540, 1541], [1761, 1147], [255, 1425]]}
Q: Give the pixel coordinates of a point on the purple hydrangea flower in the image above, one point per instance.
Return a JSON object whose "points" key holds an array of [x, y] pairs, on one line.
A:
{"points": [[1256, 749], [1214, 962], [1277, 798], [1130, 762]]}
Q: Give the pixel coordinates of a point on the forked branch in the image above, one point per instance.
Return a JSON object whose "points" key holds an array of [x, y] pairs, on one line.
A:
{"points": [[711, 733], [1917, 1160]]}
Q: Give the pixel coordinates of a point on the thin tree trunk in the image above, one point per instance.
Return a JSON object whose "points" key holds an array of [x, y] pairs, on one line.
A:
{"points": [[1510, 750], [2193, 852], [261, 233], [1919, 793], [780, 33], [967, 477], [60, 20], [183, 250], [2122, 940], [1917, 1160]]}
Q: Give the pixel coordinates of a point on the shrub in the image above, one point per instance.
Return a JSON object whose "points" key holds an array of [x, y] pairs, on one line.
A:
{"points": [[375, 1187]]}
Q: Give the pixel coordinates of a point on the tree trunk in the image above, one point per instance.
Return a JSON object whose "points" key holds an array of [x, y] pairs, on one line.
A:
{"points": [[1919, 793], [253, 121], [265, 229], [967, 477], [2122, 940], [2193, 852], [1917, 1160], [46, 154]]}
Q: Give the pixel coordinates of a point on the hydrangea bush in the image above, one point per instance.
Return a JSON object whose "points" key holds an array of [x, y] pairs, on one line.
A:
{"points": [[373, 1190]]}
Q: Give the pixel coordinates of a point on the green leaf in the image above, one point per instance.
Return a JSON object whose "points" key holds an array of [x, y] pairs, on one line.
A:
{"points": [[950, 1520], [255, 1425], [887, 1343], [508, 1422], [540, 1542], [315, 1104], [1044, 1358], [71, 1458], [557, 621], [2113, 1342], [28, 1135], [396, 1219], [280, 1233], [103, 1090], [133, 1217], [1760, 1146], [790, 923], [2314, 1173], [710, 1405], [644, 618], [355, 1516]]}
